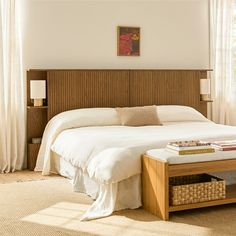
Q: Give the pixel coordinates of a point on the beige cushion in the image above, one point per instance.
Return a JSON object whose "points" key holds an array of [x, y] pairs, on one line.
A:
{"points": [[138, 116]]}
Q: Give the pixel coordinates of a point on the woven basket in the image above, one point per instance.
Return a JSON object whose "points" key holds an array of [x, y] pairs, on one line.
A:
{"points": [[195, 188]]}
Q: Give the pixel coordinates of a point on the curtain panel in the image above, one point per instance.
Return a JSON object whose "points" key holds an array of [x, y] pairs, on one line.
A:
{"points": [[222, 61], [12, 89]]}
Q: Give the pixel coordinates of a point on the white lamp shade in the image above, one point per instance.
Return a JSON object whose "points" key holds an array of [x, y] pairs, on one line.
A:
{"points": [[205, 86], [37, 89]]}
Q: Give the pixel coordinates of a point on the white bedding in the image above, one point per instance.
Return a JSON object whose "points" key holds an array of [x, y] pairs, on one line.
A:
{"points": [[128, 191], [111, 154]]}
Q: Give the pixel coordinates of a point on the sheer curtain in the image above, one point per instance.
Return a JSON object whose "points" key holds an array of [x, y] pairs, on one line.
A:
{"points": [[12, 108], [222, 60]]}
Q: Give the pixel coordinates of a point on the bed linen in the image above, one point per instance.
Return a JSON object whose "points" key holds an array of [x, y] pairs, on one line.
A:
{"points": [[101, 117], [68, 120], [109, 154], [129, 190]]}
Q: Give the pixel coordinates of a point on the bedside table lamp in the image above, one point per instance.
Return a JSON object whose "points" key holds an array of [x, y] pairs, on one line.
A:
{"points": [[205, 89], [38, 91]]}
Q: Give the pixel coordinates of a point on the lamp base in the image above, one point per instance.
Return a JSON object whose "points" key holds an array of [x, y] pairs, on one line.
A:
{"points": [[38, 102], [205, 97]]}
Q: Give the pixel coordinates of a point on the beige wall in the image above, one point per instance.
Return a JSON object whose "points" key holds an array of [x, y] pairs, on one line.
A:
{"points": [[82, 34]]}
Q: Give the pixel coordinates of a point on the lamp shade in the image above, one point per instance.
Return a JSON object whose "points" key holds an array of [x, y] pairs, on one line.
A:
{"points": [[205, 86], [38, 89]]}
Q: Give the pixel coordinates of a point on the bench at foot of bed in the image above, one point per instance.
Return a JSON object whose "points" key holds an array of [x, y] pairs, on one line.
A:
{"points": [[156, 171]]}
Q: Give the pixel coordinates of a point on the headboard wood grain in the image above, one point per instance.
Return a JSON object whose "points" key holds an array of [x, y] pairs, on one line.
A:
{"points": [[72, 89], [86, 88], [165, 88]]}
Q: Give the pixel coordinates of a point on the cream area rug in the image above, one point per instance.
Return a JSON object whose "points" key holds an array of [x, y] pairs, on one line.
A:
{"points": [[22, 176], [34, 205]]}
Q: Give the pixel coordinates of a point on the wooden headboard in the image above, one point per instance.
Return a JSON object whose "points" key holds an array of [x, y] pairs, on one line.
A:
{"points": [[71, 89]]}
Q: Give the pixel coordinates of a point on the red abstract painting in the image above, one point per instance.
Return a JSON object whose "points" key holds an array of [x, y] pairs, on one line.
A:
{"points": [[128, 41]]}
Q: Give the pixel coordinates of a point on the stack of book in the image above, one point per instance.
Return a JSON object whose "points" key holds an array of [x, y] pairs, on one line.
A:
{"points": [[189, 147], [228, 145]]}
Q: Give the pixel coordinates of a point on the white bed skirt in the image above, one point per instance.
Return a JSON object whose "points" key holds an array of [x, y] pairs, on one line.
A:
{"points": [[108, 197]]}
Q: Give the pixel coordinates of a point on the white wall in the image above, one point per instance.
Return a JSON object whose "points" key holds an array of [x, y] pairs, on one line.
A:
{"points": [[82, 34]]}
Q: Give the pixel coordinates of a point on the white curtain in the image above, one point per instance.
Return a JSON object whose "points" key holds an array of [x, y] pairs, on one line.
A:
{"points": [[222, 62], [12, 102]]}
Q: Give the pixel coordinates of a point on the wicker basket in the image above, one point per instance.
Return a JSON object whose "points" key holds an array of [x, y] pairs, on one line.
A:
{"points": [[195, 188]]}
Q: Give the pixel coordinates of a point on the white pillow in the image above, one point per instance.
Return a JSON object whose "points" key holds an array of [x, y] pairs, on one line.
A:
{"points": [[176, 113]]}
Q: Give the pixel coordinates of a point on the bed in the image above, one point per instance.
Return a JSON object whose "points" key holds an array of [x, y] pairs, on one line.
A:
{"points": [[103, 158], [80, 106]]}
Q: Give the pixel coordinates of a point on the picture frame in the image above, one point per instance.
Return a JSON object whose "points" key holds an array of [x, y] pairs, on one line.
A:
{"points": [[128, 41]]}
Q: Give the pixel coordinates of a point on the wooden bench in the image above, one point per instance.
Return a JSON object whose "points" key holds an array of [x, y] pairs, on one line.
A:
{"points": [[155, 183]]}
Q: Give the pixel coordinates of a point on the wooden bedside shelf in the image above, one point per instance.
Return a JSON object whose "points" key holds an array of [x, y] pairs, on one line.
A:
{"points": [[203, 101], [33, 107], [37, 118]]}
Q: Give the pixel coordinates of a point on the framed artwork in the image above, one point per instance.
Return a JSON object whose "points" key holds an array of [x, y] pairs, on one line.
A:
{"points": [[128, 41]]}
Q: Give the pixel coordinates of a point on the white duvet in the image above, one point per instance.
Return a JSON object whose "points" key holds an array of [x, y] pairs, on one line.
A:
{"points": [[92, 140], [112, 154]]}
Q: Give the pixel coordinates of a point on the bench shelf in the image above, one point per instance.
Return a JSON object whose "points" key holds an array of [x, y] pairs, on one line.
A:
{"points": [[155, 183]]}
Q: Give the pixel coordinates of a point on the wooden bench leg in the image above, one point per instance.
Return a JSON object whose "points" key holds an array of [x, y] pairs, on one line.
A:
{"points": [[155, 187]]}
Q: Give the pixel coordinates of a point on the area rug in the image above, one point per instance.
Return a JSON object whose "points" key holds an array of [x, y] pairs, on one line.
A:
{"points": [[50, 207], [23, 176]]}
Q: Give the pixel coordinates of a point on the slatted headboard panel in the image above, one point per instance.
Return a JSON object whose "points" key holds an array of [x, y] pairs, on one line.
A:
{"points": [[166, 87], [71, 89]]}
